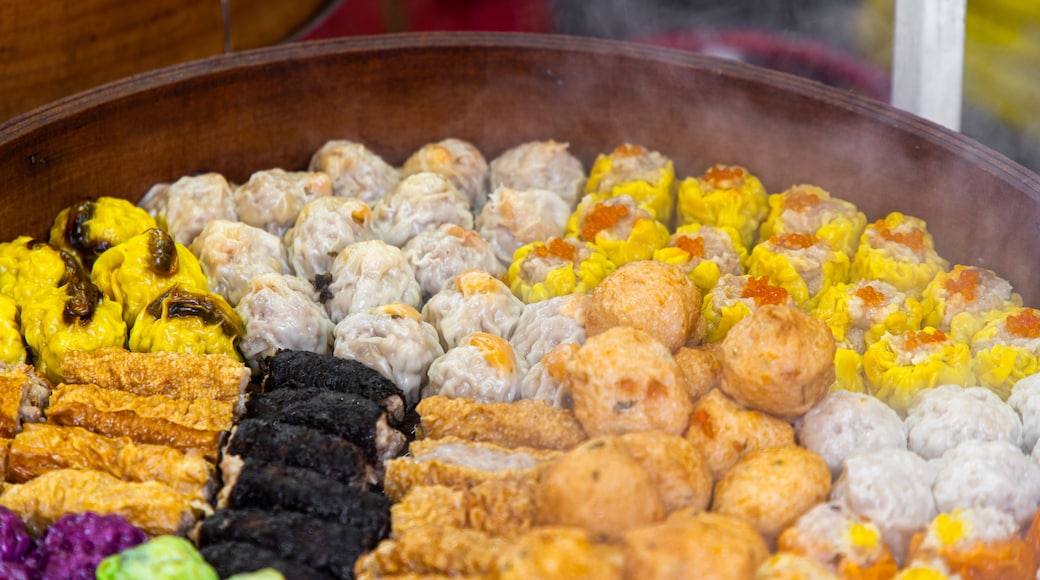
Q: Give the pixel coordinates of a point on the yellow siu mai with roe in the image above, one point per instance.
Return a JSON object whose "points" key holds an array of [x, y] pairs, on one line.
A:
{"points": [[899, 366], [637, 172], [621, 227], [725, 195], [704, 253], [808, 209], [803, 264], [556, 267], [1007, 349], [899, 250], [734, 298], [964, 299]]}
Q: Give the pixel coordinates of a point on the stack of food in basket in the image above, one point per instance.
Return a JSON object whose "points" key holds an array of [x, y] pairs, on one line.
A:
{"points": [[514, 368]]}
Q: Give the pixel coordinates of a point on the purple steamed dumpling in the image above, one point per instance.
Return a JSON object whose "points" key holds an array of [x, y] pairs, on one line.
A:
{"points": [[75, 544]]}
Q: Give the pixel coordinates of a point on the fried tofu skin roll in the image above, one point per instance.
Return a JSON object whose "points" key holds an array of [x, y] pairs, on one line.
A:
{"points": [[524, 423], [1007, 349], [649, 295], [457, 463], [694, 545], [779, 360], [733, 299], [182, 320], [899, 366], [433, 550], [87, 228], [704, 253], [151, 506], [976, 543], [516, 217], [623, 229], [678, 467], [557, 267], [582, 488], [964, 299], [458, 161], [807, 209], [899, 250], [189, 203], [476, 301], [803, 264], [725, 196], [356, 171], [322, 230], [560, 552], [497, 507], [42, 447], [624, 380], [724, 431], [272, 198], [24, 396], [847, 544], [540, 165], [771, 488], [645, 175], [439, 255], [213, 376]]}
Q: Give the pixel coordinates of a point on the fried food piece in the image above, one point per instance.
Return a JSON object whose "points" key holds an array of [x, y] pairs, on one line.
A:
{"points": [[792, 566], [433, 550], [212, 376], [701, 368], [560, 552], [43, 447], [524, 423], [778, 360], [497, 507], [695, 545], [624, 380], [652, 296], [772, 488], [679, 470], [460, 464], [23, 397], [156, 419], [724, 431], [583, 488], [154, 507], [847, 544], [977, 543]]}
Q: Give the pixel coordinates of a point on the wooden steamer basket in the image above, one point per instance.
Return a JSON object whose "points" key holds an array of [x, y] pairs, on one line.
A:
{"points": [[274, 107]]}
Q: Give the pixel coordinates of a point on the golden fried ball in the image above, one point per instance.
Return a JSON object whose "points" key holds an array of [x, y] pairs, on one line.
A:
{"points": [[724, 431], [778, 360], [701, 367], [597, 486], [624, 380], [771, 488], [676, 465], [695, 545], [560, 552], [649, 295]]}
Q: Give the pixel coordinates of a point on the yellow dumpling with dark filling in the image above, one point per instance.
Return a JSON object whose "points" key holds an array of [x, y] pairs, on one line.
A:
{"points": [[29, 266], [87, 228], [184, 320]]}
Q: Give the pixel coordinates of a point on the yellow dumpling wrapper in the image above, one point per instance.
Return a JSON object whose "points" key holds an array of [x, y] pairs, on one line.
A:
{"points": [[897, 383], [29, 267], [783, 270], [707, 272], [570, 278], [726, 197], [139, 270], [908, 276], [12, 349], [656, 194], [647, 236], [832, 307], [181, 320], [596, 220], [963, 282], [848, 371], [1006, 350], [99, 225], [719, 319], [842, 223], [67, 318]]}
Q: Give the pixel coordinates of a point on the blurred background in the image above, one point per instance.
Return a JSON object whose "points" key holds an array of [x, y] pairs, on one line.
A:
{"points": [[49, 52]]}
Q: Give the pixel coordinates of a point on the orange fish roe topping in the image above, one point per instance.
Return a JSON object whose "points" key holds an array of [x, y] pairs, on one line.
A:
{"points": [[555, 361], [496, 350], [914, 239], [557, 247], [627, 150], [794, 241], [692, 246], [763, 292], [398, 310], [361, 215], [870, 296], [800, 200], [471, 282], [965, 284], [1025, 324], [724, 177], [916, 338], [601, 217]]}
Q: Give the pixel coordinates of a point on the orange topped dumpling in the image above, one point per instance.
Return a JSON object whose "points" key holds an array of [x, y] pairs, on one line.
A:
{"points": [[725, 195], [899, 250]]}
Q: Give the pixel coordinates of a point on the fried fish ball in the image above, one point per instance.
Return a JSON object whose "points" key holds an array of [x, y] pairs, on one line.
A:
{"points": [[624, 380], [724, 431], [652, 296], [779, 360], [701, 367], [582, 487], [560, 552], [540, 165], [355, 170], [694, 545], [847, 544], [458, 161], [677, 466], [982, 544], [771, 488], [524, 423]]}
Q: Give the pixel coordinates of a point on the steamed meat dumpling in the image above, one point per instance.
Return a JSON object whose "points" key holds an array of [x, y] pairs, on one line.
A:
{"points": [[355, 170], [456, 160], [544, 325], [482, 367], [477, 301], [272, 199], [232, 253], [439, 254], [323, 228], [191, 202], [420, 202], [540, 165], [516, 217], [369, 274]]}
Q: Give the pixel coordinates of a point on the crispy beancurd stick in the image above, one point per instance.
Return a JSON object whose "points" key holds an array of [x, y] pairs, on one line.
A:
{"points": [[495, 507], [524, 423], [434, 549]]}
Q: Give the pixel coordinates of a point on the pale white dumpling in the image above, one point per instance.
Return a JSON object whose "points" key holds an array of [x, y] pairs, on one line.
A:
{"points": [[1025, 400], [481, 367], [369, 274], [845, 424], [943, 417], [282, 312], [191, 202], [994, 474], [544, 381], [420, 202], [355, 170], [475, 302], [394, 341], [516, 217], [547, 323], [233, 253], [272, 199], [439, 254], [540, 165], [457, 160], [324, 227]]}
